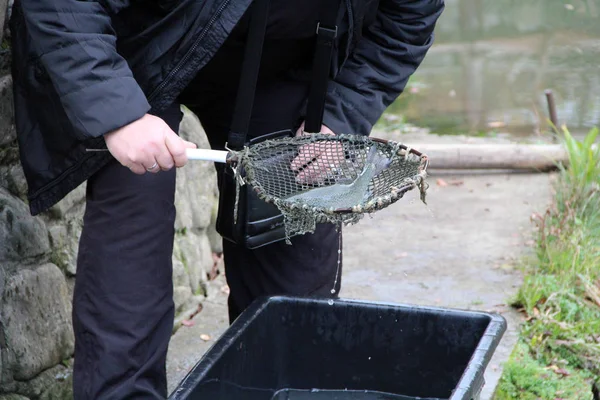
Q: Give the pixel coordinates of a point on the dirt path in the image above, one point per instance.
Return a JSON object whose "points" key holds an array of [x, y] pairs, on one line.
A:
{"points": [[460, 254], [457, 252]]}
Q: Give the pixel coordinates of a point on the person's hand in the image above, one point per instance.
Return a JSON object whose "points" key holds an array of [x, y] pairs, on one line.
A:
{"points": [[316, 161], [324, 130], [147, 144]]}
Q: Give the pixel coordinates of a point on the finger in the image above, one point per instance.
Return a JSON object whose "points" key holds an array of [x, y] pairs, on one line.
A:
{"points": [[335, 154], [331, 157], [316, 160], [317, 171], [176, 147], [153, 166], [137, 169], [165, 160], [308, 175], [325, 130], [190, 145], [163, 157], [169, 156], [311, 173], [325, 168], [300, 130], [307, 154], [138, 161], [312, 164], [301, 161], [148, 162]]}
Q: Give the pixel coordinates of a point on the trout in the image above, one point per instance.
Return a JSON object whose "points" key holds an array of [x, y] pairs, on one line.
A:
{"points": [[345, 195]]}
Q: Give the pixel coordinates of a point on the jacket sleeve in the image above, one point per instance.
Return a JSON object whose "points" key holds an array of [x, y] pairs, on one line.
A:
{"points": [[376, 73], [76, 45]]}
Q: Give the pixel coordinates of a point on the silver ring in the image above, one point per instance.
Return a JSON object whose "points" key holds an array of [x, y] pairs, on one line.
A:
{"points": [[152, 167]]}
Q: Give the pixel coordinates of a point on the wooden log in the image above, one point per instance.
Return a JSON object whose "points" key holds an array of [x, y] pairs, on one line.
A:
{"points": [[537, 157]]}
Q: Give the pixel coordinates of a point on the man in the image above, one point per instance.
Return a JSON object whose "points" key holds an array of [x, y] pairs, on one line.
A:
{"points": [[112, 73]]}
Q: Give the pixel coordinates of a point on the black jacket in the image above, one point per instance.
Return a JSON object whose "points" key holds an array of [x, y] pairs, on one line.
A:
{"points": [[74, 81]]}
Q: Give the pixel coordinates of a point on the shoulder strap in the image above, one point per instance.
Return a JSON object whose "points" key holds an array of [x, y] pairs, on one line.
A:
{"points": [[250, 66], [326, 32], [326, 35]]}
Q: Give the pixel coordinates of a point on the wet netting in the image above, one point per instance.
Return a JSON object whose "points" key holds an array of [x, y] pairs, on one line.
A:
{"points": [[322, 178]]}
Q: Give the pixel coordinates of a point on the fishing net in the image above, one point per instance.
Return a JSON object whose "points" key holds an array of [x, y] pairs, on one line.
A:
{"points": [[324, 178]]}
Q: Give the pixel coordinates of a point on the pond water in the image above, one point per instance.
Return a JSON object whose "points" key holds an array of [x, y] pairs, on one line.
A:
{"points": [[493, 60]]}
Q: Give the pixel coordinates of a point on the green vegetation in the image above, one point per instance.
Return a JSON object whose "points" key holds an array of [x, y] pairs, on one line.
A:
{"points": [[558, 356], [527, 379]]}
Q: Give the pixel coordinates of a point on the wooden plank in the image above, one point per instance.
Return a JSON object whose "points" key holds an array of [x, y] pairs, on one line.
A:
{"points": [[541, 157]]}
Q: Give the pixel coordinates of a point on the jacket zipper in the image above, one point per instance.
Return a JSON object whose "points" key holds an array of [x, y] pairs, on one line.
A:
{"points": [[189, 53]]}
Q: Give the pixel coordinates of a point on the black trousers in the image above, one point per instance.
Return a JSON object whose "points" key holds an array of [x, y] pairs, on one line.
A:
{"points": [[308, 266], [123, 306]]}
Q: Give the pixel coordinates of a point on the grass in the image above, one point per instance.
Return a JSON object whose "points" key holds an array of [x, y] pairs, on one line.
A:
{"points": [[558, 354], [529, 380]]}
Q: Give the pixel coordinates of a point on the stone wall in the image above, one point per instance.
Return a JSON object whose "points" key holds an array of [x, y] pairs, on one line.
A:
{"points": [[37, 262]]}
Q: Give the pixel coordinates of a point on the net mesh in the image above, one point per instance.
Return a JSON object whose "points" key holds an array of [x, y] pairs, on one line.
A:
{"points": [[330, 178]]}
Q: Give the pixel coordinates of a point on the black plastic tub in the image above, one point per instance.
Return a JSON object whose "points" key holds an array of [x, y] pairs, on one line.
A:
{"points": [[299, 348]]}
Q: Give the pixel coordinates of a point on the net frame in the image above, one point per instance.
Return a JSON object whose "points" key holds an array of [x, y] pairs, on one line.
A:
{"points": [[244, 164]]}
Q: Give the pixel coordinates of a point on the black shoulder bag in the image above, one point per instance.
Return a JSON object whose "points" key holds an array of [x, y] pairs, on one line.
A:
{"points": [[257, 223]]}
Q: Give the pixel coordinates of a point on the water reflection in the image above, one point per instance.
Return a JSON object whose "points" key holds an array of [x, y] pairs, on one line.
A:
{"points": [[493, 59]]}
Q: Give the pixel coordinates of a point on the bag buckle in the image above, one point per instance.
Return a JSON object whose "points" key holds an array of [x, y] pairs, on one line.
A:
{"points": [[329, 33]]}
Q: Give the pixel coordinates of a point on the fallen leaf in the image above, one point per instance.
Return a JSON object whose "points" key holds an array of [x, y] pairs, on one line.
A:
{"points": [[559, 371], [507, 267], [205, 337], [214, 271], [536, 312], [212, 274], [457, 183], [187, 322], [442, 183]]}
